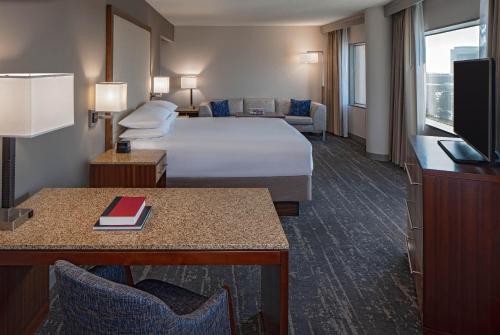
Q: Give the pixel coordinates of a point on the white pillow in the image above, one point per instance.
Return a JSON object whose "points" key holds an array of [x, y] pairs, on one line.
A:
{"points": [[147, 116], [163, 103], [131, 134]]}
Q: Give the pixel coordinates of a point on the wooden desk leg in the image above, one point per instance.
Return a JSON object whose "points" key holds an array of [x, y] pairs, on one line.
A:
{"points": [[24, 298], [274, 296]]}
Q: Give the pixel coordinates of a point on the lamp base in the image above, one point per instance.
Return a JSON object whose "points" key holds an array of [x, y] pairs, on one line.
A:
{"points": [[12, 218]]}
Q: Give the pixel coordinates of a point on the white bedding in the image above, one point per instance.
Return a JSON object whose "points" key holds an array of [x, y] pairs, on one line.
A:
{"points": [[233, 147]]}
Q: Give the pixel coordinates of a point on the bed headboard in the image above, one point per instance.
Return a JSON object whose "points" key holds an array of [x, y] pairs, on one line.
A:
{"points": [[128, 59]]}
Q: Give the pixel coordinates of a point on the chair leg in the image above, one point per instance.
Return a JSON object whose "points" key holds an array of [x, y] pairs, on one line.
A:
{"points": [[130, 279], [231, 312], [324, 136]]}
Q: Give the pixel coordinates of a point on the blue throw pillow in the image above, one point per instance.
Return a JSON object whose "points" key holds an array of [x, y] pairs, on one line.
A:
{"points": [[220, 108], [300, 107]]}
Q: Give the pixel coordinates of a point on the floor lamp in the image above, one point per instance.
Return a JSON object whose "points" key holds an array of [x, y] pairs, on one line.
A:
{"points": [[30, 105], [315, 57]]}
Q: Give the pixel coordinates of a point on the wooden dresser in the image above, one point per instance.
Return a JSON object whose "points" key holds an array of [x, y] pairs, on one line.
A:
{"points": [[453, 240]]}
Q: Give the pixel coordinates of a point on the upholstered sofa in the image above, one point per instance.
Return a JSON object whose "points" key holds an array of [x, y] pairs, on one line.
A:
{"points": [[315, 123]]}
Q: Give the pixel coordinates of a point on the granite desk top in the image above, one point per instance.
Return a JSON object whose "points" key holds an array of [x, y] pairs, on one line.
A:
{"points": [[182, 219], [139, 157]]}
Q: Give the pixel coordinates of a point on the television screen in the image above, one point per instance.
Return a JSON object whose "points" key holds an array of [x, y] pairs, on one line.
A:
{"points": [[473, 104]]}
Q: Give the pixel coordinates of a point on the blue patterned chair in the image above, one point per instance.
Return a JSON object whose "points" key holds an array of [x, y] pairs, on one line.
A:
{"points": [[99, 301]]}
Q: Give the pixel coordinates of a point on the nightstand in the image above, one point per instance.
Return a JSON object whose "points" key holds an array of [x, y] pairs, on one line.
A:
{"points": [[188, 111], [139, 168]]}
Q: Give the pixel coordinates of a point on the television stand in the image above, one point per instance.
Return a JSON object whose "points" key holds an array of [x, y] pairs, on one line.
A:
{"points": [[461, 152]]}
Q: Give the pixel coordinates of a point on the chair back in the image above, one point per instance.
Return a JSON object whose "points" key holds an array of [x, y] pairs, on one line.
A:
{"points": [[93, 305]]}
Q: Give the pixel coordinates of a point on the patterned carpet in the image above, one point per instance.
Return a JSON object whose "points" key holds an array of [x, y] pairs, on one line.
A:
{"points": [[348, 267]]}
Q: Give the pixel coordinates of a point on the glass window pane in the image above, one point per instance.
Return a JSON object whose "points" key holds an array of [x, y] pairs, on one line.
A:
{"points": [[357, 94], [442, 49], [360, 75]]}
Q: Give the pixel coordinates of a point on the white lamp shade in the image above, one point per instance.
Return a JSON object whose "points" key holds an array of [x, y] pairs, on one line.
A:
{"points": [[34, 104], [309, 58], [188, 82], [161, 85], [111, 97]]}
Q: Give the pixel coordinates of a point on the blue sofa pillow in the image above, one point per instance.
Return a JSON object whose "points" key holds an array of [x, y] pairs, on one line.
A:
{"points": [[300, 107], [220, 108]]}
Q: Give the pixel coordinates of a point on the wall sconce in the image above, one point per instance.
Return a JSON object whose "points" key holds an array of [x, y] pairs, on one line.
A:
{"points": [[161, 85], [189, 82], [315, 57], [110, 97], [309, 57]]}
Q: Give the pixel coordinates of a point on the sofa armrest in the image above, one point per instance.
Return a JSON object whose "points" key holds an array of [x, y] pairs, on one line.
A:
{"points": [[205, 110], [318, 114]]}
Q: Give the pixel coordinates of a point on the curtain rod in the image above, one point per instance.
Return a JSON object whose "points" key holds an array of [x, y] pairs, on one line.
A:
{"points": [[399, 5]]}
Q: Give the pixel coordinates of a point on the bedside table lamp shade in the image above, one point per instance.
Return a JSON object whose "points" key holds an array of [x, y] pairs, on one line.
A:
{"points": [[189, 82], [30, 105], [111, 97]]}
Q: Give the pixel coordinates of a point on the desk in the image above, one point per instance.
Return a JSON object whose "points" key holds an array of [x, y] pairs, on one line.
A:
{"points": [[187, 227]]}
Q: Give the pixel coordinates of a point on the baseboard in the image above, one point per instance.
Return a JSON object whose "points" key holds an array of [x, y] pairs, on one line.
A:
{"points": [[378, 157], [357, 138]]}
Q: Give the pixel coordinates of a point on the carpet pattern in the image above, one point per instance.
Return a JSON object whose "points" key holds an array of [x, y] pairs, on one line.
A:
{"points": [[348, 266]]}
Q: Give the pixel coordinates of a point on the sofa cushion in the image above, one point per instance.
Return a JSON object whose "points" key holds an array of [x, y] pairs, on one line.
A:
{"points": [[300, 107], [283, 106], [299, 120], [220, 108], [235, 106], [267, 104]]}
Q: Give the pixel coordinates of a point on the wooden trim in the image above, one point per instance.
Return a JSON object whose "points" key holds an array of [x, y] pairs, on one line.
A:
{"points": [[110, 12], [140, 257], [344, 23], [399, 5], [109, 42]]}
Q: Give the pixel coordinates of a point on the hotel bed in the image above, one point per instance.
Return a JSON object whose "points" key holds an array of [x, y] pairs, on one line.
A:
{"points": [[237, 152]]}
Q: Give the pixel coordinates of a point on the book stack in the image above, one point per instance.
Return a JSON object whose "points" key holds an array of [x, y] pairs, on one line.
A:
{"points": [[124, 213]]}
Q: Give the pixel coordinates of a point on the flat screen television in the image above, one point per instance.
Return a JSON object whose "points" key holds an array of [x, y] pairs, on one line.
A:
{"points": [[474, 112]]}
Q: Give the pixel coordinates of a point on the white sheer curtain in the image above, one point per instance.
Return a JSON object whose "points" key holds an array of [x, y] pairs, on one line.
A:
{"points": [[421, 92], [344, 82]]}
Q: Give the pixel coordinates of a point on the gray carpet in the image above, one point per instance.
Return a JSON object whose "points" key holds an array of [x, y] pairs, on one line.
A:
{"points": [[348, 267]]}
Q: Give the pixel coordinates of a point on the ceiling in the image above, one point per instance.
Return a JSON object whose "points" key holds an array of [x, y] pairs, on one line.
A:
{"points": [[259, 12]]}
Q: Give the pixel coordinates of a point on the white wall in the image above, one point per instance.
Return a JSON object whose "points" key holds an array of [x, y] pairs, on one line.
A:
{"points": [[243, 62], [378, 78]]}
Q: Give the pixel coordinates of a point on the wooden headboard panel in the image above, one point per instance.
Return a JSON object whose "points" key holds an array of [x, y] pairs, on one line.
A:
{"points": [[128, 59]]}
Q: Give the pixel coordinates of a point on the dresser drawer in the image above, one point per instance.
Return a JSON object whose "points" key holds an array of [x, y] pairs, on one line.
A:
{"points": [[161, 167]]}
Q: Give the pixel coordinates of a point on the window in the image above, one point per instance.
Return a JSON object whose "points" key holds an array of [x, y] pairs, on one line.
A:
{"points": [[443, 47], [357, 75]]}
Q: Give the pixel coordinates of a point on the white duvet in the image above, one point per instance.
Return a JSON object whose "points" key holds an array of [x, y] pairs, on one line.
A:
{"points": [[233, 147]]}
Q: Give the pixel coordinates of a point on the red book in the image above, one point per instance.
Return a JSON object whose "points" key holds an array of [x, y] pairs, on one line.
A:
{"points": [[123, 211]]}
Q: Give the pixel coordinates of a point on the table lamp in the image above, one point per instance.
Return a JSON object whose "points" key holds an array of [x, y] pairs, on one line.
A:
{"points": [[31, 104], [189, 82]]}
